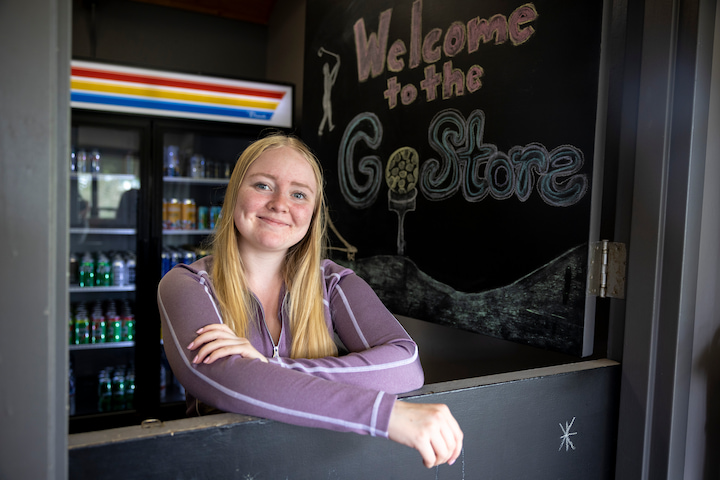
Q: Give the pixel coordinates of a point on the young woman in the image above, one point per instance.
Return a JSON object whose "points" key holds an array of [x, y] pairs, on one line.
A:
{"points": [[252, 329]]}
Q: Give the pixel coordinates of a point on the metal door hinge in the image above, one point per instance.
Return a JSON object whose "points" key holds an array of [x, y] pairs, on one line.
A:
{"points": [[606, 275]]}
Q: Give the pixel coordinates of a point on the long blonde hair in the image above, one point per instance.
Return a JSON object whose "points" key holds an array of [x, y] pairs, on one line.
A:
{"points": [[303, 278]]}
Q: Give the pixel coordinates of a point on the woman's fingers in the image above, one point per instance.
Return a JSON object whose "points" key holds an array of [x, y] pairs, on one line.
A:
{"points": [[217, 341], [429, 428]]}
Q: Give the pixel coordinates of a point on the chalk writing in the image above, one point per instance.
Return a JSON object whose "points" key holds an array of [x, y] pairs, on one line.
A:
{"points": [[478, 169], [357, 195], [566, 442], [466, 164], [373, 54]]}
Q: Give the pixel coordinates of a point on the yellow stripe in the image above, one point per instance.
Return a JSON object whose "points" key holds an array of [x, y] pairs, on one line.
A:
{"points": [[155, 92]]}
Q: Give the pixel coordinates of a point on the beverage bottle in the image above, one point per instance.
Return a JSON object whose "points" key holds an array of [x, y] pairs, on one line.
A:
{"points": [[95, 161], [130, 268], [103, 271], [172, 161], [163, 382], [104, 391], [118, 389], [130, 388], [197, 166], [128, 322], [99, 326], [118, 271], [82, 326], [82, 161], [71, 389], [73, 161], [86, 271], [71, 333], [114, 325], [73, 269]]}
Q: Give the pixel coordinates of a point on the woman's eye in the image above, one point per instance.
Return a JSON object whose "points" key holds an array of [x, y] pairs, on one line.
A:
{"points": [[262, 186], [299, 195]]}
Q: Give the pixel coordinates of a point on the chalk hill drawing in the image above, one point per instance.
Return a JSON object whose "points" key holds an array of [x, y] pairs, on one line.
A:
{"points": [[544, 309]]}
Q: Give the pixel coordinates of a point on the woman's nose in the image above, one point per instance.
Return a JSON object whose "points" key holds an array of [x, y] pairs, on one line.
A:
{"points": [[278, 203]]}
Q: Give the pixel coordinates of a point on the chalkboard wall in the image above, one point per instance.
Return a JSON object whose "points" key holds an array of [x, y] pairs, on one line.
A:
{"points": [[457, 140]]}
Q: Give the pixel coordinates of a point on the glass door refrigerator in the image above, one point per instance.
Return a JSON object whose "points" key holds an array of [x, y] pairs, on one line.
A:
{"points": [[152, 153]]}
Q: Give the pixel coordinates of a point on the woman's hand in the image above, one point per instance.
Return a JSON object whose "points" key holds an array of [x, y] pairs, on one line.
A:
{"points": [[217, 341], [429, 428]]}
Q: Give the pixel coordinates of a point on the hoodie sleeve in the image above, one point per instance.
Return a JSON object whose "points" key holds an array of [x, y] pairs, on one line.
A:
{"points": [[382, 355]]}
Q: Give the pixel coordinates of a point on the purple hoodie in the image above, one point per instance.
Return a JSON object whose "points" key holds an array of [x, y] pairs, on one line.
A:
{"points": [[353, 392]]}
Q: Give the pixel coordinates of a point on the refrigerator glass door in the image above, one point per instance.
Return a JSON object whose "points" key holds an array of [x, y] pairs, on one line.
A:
{"points": [[104, 185]]}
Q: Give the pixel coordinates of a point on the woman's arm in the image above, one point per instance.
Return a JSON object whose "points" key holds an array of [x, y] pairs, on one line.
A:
{"points": [[383, 356]]}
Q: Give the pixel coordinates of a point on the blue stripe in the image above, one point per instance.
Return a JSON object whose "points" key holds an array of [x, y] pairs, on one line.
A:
{"points": [[171, 106]]}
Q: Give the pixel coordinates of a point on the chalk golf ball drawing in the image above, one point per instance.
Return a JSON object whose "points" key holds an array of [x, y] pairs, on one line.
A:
{"points": [[401, 175]]}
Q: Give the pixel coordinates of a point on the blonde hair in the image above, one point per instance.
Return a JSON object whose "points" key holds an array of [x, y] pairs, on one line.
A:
{"points": [[303, 278]]}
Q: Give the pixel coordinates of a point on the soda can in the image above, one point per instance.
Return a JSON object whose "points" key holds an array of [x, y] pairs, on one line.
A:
{"points": [[214, 215], [174, 214], [203, 217], [175, 258], [119, 275], [188, 257], [104, 391], [128, 327], [86, 271], [130, 264], [165, 218], [164, 262], [188, 213], [98, 327]]}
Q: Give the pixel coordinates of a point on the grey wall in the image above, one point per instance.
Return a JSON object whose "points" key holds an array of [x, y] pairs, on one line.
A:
{"points": [[670, 348], [703, 424], [34, 135]]}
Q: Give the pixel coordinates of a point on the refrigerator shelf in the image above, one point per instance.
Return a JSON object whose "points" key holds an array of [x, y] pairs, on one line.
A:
{"points": [[191, 180], [102, 231], [79, 289], [102, 346], [188, 232], [104, 176]]}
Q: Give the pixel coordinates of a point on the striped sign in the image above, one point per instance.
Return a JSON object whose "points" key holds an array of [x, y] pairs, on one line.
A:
{"points": [[98, 86]]}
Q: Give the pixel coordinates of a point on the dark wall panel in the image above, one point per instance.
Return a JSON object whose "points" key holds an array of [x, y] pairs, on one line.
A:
{"points": [[552, 423]]}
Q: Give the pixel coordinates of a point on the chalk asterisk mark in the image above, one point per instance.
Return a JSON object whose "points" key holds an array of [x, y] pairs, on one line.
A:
{"points": [[566, 442]]}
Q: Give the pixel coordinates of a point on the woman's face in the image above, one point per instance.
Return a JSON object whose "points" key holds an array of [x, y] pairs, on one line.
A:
{"points": [[275, 202]]}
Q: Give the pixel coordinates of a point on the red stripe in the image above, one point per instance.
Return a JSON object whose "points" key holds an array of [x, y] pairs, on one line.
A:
{"points": [[168, 82]]}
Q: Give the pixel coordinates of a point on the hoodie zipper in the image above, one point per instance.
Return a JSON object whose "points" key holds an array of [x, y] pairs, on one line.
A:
{"points": [[276, 348]]}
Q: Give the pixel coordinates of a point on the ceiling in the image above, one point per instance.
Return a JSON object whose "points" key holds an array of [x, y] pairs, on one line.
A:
{"points": [[253, 11]]}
